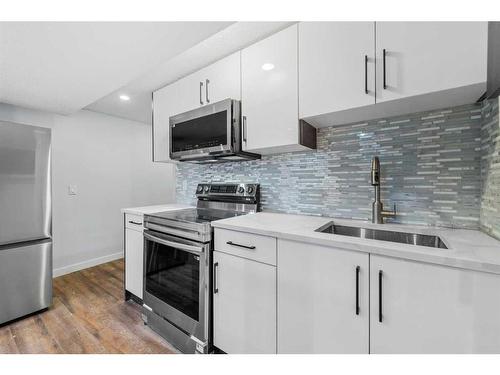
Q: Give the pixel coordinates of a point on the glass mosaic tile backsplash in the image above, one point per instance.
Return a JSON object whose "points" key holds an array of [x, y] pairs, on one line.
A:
{"points": [[431, 170]]}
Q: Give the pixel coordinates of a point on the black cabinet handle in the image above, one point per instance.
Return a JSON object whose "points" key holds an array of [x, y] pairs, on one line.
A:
{"points": [[366, 74], [384, 52], [201, 88], [238, 245], [134, 222], [380, 296], [206, 90], [357, 290], [216, 265], [244, 129]]}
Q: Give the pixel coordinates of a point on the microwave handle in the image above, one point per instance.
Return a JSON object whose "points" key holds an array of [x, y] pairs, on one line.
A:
{"points": [[177, 245], [245, 129], [201, 93]]}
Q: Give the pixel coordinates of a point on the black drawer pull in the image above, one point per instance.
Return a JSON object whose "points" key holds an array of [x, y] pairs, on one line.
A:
{"points": [[238, 245], [134, 222]]}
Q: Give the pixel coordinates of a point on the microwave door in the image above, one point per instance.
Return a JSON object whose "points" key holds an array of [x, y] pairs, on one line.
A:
{"points": [[204, 131]]}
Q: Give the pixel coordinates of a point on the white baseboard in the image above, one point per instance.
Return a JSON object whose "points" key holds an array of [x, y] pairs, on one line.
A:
{"points": [[86, 264]]}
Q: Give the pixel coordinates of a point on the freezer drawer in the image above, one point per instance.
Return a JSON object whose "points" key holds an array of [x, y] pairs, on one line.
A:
{"points": [[25, 279]]}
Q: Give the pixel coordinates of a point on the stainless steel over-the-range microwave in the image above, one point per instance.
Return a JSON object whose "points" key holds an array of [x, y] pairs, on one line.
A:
{"points": [[209, 134]]}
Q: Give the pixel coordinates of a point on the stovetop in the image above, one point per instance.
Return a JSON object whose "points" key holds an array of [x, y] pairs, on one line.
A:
{"points": [[215, 202], [197, 215]]}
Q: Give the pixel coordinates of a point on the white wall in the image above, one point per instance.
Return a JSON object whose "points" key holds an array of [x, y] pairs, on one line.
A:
{"points": [[109, 160]]}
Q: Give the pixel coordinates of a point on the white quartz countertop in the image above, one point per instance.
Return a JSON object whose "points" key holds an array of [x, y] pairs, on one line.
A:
{"points": [[153, 209], [467, 249]]}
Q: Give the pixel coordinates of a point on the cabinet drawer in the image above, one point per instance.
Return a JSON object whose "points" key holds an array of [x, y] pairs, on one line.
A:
{"points": [[134, 222], [246, 245]]}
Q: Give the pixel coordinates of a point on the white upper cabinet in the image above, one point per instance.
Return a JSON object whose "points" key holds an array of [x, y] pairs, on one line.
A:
{"points": [[425, 308], [216, 82], [426, 57], [269, 93], [336, 66], [323, 304], [221, 80]]}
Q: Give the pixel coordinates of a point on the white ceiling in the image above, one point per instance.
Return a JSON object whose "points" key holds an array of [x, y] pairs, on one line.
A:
{"points": [[232, 38], [62, 67]]}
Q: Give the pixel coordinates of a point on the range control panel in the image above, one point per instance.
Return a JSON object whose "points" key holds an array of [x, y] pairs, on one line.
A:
{"points": [[234, 190]]}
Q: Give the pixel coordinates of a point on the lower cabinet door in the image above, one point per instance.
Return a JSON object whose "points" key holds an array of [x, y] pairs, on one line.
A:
{"points": [[134, 250], [244, 305], [426, 308], [323, 304]]}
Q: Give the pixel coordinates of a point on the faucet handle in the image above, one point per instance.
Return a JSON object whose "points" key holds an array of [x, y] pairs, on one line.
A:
{"points": [[392, 213]]}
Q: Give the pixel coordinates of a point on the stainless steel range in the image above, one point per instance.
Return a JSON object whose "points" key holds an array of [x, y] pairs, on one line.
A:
{"points": [[178, 249]]}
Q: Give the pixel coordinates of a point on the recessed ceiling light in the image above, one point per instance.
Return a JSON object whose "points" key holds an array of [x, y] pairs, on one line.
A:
{"points": [[267, 66], [124, 98]]}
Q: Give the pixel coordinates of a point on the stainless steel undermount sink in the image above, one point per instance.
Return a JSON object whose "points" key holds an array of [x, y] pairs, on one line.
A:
{"points": [[384, 235]]}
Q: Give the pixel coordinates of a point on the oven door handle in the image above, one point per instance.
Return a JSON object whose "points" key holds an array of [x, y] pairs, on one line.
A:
{"points": [[177, 245]]}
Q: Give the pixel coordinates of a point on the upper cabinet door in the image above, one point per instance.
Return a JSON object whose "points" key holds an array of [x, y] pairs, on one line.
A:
{"points": [[425, 308], [270, 93], [336, 66], [424, 57], [221, 80]]}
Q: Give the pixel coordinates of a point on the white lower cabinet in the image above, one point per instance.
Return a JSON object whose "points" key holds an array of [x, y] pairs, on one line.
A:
{"points": [[244, 305], [323, 304], [134, 250], [321, 299], [426, 308]]}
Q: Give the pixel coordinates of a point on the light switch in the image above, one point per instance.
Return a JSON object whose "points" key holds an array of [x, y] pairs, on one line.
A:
{"points": [[71, 189]]}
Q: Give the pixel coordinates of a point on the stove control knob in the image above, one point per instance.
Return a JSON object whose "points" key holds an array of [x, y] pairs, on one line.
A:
{"points": [[250, 189], [199, 189], [206, 189], [241, 190]]}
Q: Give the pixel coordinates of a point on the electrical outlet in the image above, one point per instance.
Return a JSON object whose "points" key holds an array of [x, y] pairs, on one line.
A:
{"points": [[71, 189]]}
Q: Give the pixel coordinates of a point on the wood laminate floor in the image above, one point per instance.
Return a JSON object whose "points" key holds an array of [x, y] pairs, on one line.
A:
{"points": [[88, 315]]}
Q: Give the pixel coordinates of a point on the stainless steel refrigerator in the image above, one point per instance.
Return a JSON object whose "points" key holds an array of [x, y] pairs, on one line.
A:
{"points": [[25, 220]]}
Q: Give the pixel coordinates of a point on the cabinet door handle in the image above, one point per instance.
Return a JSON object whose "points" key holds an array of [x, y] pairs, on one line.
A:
{"points": [[238, 245], [206, 90], [134, 222], [357, 290], [380, 296], [201, 93], [216, 266], [366, 74], [384, 52], [244, 129]]}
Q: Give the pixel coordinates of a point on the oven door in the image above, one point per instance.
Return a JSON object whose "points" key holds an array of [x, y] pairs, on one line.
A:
{"points": [[206, 131], [176, 281]]}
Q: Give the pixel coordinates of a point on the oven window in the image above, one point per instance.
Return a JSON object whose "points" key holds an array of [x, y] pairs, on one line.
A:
{"points": [[206, 131], [173, 276]]}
